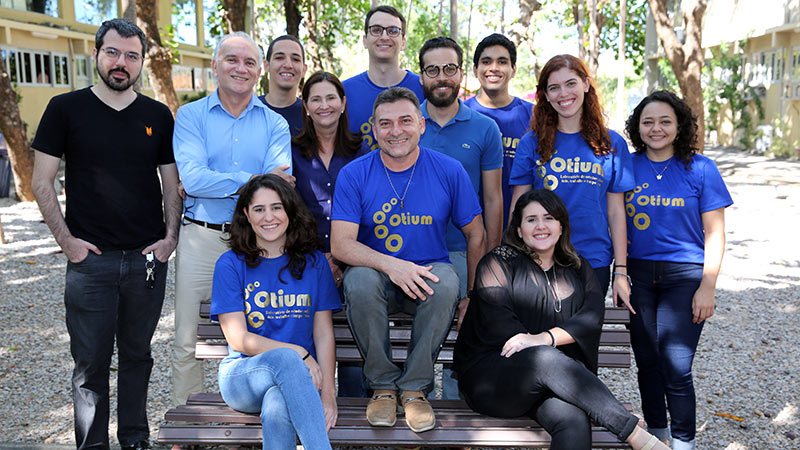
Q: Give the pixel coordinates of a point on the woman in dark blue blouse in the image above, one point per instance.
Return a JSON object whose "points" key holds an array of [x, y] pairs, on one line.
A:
{"points": [[318, 153], [323, 147]]}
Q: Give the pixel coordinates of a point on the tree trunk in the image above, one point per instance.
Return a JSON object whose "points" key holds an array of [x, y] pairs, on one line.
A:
{"points": [[292, 17], [439, 25], [519, 30], [622, 99], [596, 22], [454, 20], [158, 62], [235, 14], [503, 17], [129, 13], [13, 129], [685, 59], [580, 19]]}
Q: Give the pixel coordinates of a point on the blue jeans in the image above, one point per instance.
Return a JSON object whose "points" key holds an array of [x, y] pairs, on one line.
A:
{"points": [[664, 341], [106, 298], [371, 297], [277, 384]]}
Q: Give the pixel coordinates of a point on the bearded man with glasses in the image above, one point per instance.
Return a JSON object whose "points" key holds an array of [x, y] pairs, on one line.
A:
{"points": [[118, 233], [471, 138], [384, 38]]}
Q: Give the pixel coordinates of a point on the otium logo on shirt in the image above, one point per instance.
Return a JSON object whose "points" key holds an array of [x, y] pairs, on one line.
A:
{"points": [[569, 170], [394, 241], [265, 305], [638, 197]]}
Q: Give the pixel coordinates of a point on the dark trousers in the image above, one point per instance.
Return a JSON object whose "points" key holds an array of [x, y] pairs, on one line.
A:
{"points": [[545, 384], [105, 297], [664, 341], [603, 275]]}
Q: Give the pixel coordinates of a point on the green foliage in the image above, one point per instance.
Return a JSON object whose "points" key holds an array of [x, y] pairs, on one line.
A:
{"points": [[666, 77], [188, 98], [635, 27], [168, 40], [725, 86], [782, 145]]}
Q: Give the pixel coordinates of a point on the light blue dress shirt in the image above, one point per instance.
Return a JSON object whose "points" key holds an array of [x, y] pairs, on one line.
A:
{"points": [[217, 153]]}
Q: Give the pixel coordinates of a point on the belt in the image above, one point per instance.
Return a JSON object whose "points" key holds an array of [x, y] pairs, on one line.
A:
{"points": [[224, 227]]}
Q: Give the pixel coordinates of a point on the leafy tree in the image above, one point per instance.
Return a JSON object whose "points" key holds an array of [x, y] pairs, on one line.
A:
{"points": [[635, 28], [158, 62]]}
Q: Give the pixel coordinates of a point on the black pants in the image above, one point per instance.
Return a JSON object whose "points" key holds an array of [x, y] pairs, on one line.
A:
{"points": [[106, 298], [545, 384]]}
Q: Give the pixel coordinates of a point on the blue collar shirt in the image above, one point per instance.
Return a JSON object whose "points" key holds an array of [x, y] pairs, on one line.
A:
{"points": [[218, 153]]}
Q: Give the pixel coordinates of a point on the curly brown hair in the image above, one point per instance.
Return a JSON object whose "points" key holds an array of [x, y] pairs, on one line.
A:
{"points": [[544, 122], [301, 234], [685, 145]]}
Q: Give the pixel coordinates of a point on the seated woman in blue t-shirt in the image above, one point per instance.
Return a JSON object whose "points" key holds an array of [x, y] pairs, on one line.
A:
{"points": [[273, 294], [676, 233]]}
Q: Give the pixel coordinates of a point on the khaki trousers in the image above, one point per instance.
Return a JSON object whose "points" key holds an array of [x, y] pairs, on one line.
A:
{"points": [[198, 251]]}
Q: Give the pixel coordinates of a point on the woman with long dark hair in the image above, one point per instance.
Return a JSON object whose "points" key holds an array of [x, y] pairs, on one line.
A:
{"points": [[676, 230], [318, 154], [323, 147], [571, 152], [273, 294], [529, 341]]}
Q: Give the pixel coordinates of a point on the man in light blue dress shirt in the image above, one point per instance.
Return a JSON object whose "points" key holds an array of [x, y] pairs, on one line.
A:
{"points": [[220, 142]]}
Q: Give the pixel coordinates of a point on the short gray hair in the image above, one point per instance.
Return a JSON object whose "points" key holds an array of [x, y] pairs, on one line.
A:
{"points": [[243, 35], [394, 94]]}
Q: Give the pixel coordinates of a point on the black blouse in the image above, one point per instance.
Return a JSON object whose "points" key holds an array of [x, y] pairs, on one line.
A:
{"points": [[512, 296]]}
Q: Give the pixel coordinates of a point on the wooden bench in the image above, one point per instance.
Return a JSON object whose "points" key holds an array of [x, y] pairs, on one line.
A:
{"points": [[212, 422]]}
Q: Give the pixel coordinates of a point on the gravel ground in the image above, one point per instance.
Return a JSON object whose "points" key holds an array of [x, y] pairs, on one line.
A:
{"points": [[747, 367]]}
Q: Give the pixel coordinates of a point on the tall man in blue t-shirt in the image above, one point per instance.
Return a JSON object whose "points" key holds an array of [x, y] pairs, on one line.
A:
{"points": [[494, 64], [471, 138], [391, 209], [384, 38], [286, 67], [220, 142]]}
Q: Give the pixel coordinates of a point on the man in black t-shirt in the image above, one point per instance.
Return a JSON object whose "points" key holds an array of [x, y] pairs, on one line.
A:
{"points": [[285, 63], [116, 235]]}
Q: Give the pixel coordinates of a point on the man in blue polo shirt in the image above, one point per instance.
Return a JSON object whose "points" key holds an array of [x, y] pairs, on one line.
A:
{"points": [[384, 38], [471, 138], [220, 142], [286, 67], [391, 208], [494, 64]]}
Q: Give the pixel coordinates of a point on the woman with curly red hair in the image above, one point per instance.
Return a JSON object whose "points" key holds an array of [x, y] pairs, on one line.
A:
{"points": [[570, 151]]}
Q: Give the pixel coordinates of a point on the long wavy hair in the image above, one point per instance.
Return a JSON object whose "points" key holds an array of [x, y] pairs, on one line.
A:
{"points": [[544, 122], [301, 232], [346, 143], [564, 253], [685, 144]]}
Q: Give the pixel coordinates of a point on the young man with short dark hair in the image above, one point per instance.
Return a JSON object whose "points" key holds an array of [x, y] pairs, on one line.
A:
{"points": [[286, 67]]}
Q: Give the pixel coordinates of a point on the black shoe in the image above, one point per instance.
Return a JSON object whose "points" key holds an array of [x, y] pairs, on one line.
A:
{"points": [[138, 445]]}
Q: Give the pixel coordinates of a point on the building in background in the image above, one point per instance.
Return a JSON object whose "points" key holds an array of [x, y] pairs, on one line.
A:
{"points": [[770, 60], [47, 47]]}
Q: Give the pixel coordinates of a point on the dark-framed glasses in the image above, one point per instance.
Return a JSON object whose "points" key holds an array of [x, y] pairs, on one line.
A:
{"points": [[449, 70], [113, 53], [377, 30]]}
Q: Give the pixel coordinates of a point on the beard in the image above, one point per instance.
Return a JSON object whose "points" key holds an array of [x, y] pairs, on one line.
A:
{"points": [[116, 85], [440, 101]]}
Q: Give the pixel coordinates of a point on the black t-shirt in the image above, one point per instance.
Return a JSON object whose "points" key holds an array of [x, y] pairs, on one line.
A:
{"points": [[292, 113], [113, 190]]}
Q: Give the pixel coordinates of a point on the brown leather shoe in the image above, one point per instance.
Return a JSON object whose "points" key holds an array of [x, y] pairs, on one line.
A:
{"points": [[418, 412], [382, 408]]}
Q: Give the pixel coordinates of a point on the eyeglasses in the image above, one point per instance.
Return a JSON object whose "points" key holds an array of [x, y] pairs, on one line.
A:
{"points": [[131, 57], [377, 30], [449, 70]]}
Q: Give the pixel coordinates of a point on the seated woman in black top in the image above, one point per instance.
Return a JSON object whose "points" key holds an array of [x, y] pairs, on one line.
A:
{"points": [[528, 344]]}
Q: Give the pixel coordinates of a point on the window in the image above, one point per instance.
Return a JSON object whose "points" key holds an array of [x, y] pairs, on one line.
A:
{"points": [[184, 21], [48, 7], [83, 71], [37, 68], [95, 11], [182, 78], [795, 75], [775, 65]]}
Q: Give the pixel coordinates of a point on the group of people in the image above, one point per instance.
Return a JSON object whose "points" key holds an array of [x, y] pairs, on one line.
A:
{"points": [[379, 194]]}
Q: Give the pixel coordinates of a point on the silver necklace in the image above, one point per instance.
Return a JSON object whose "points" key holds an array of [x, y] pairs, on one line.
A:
{"points": [[557, 304], [659, 175], [408, 184]]}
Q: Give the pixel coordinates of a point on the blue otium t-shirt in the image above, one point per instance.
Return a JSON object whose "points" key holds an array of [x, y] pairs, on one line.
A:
{"points": [[582, 180], [514, 121], [438, 191], [665, 216], [280, 310], [361, 93], [474, 140]]}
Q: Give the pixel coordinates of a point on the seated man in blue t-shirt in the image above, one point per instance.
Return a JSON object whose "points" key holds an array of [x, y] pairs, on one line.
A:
{"points": [[390, 212]]}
